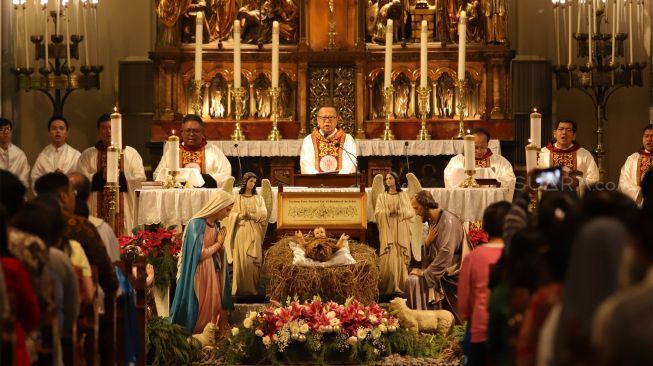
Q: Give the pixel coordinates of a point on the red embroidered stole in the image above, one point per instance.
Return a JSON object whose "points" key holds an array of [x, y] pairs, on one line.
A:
{"points": [[193, 156], [103, 196], [324, 147], [560, 157], [484, 161], [644, 163]]}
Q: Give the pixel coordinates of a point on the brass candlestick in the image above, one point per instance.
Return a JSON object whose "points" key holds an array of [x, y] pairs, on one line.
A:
{"points": [[238, 135], [196, 104], [530, 166], [460, 105], [423, 104], [469, 182], [275, 135], [387, 106]]}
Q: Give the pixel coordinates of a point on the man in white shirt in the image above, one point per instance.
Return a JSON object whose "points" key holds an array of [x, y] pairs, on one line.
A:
{"points": [[564, 152], [93, 162], [58, 156], [195, 152], [484, 158], [328, 149], [12, 158], [636, 166]]}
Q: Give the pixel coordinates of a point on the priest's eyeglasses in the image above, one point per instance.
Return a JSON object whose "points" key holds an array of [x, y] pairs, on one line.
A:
{"points": [[568, 130], [191, 131], [328, 118], [6, 129]]}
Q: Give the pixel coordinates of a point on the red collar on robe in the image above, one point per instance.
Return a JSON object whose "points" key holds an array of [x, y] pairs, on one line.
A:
{"points": [[325, 146], [183, 146], [644, 164], [484, 161], [574, 147]]}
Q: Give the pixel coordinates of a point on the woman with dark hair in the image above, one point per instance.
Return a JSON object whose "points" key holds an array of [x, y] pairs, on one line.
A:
{"points": [[394, 215], [19, 308], [247, 224]]}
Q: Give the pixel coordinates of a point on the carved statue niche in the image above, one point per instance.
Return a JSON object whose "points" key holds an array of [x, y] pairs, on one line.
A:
{"points": [[256, 19], [219, 18], [445, 89], [495, 12], [377, 15], [472, 91], [218, 97], [376, 98], [262, 94], [168, 12], [401, 95], [286, 97], [475, 31]]}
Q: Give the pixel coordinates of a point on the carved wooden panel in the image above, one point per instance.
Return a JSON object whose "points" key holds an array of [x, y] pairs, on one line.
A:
{"points": [[334, 85]]}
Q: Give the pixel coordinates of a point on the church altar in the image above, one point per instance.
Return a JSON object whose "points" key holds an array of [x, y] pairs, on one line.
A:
{"points": [[291, 148], [177, 206]]}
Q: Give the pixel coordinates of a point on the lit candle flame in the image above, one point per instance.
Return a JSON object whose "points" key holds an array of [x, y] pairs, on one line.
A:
{"points": [[173, 131], [529, 141], [534, 110], [115, 109], [468, 131]]}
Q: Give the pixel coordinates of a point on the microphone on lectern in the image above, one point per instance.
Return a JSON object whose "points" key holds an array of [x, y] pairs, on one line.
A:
{"points": [[352, 158], [240, 167], [406, 155]]}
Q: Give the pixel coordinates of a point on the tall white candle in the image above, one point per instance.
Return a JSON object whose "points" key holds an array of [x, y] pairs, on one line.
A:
{"points": [[468, 150], [423, 56], [614, 29], [536, 128], [640, 27], [595, 23], [580, 11], [26, 36], [77, 4], [590, 31], [275, 54], [236, 53], [86, 41], [116, 128], [630, 29], [556, 30], [112, 164], [97, 32], [67, 40], [531, 158], [387, 76], [569, 35], [58, 18], [462, 39], [199, 28], [16, 39], [618, 21], [173, 153]]}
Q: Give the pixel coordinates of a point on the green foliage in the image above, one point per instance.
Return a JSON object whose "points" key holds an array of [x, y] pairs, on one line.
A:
{"points": [[167, 343], [165, 269]]}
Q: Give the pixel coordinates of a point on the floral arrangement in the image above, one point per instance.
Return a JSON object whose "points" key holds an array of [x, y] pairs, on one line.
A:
{"points": [[319, 332], [159, 245], [477, 235]]}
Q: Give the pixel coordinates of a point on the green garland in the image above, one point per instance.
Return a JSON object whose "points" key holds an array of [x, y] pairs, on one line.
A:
{"points": [[166, 343]]}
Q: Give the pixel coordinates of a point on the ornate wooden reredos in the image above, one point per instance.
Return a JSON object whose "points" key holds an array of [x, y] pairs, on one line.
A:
{"points": [[344, 69]]}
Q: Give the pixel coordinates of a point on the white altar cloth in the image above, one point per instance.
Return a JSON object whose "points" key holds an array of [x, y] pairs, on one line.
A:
{"points": [[291, 148], [177, 206]]}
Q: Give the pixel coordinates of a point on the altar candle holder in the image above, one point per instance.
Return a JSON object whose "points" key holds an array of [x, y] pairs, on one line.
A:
{"points": [[112, 186], [423, 104], [196, 92], [238, 134], [387, 107], [460, 105], [275, 135], [469, 182]]}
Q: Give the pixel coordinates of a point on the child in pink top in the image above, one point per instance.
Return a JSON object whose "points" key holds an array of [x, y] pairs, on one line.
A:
{"points": [[474, 278]]}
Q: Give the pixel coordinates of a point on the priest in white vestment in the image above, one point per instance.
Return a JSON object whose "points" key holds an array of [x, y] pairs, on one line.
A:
{"points": [[636, 166], [93, 162], [12, 158], [328, 149], [484, 158], [195, 152], [564, 151], [58, 156]]}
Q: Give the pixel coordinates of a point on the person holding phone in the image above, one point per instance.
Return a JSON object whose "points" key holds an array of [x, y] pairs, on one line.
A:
{"points": [[566, 153]]}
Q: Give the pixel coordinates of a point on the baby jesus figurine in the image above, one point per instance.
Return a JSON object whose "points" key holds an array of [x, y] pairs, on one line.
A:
{"points": [[320, 247]]}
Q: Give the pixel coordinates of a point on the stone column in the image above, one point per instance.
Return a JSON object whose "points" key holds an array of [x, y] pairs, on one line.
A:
{"points": [[497, 105]]}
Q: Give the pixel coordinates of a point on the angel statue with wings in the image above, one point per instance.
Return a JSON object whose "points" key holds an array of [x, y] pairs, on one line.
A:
{"points": [[246, 228], [399, 230]]}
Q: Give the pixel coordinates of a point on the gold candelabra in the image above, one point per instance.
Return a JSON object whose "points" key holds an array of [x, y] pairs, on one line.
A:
{"points": [[387, 107], [238, 134], [460, 105], [469, 182], [423, 104], [275, 135], [196, 92]]}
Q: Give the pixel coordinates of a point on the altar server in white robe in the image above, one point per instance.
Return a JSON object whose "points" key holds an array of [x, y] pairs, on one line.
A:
{"points": [[12, 158], [195, 152], [58, 156], [328, 149], [564, 151], [636, 166], [484, 158], [93, 162]]}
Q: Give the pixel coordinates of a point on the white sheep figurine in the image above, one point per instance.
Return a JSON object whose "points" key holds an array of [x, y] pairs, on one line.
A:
{"points": [[425, 321], [207, 337]]}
